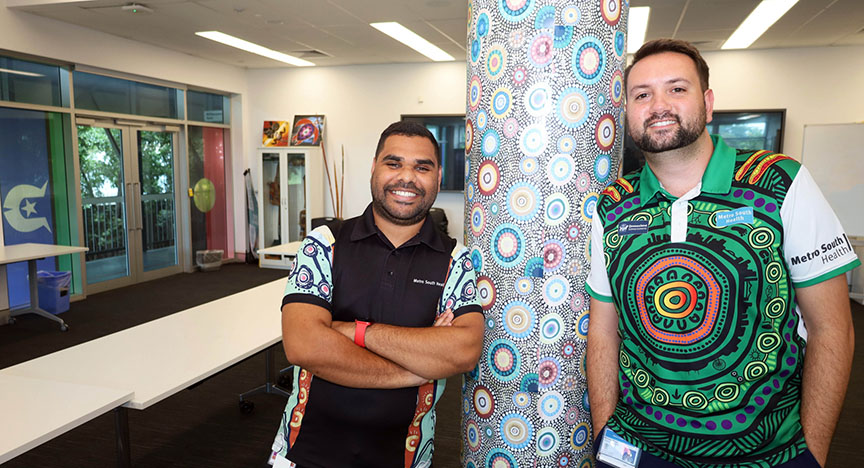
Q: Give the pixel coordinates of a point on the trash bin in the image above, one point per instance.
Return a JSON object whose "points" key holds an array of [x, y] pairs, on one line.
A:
{"points": [[209, 260], [53, 287]]}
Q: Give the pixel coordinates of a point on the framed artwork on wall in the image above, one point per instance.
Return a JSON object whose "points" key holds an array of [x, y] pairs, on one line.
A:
{"points": [[276, 133], [308, 130]]}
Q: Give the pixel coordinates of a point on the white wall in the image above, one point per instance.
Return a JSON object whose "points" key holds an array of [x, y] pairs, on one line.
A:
{"points": [[358, 102], [815, 85]]}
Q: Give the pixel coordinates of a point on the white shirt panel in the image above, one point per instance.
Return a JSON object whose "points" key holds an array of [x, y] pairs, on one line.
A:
{"points": [[814, 242]]}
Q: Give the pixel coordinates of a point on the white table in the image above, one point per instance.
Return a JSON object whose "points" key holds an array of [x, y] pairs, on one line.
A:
{"points": [[30, 253], [279, 256], [35, 411], [159, 358]]}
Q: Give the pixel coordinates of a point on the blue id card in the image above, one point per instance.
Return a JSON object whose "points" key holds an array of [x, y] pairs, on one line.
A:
{"points": [[618, 452]]}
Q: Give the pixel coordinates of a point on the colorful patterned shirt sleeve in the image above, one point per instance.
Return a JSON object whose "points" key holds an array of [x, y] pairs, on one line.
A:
{"points": [[460, 288], [597, 284], [814, 244], [311, 278]]}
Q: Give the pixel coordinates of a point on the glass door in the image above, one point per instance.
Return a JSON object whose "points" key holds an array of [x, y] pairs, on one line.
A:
{"points": [[128, 202], [156, 205]]}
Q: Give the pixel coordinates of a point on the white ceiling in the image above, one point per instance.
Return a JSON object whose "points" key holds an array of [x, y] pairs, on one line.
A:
{"points": [[339, 29]]}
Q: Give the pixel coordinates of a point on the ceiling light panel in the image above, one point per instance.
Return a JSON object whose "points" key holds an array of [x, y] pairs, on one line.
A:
{"points": [[757, 22], [253, 48], [637, 27], [413, 40]]}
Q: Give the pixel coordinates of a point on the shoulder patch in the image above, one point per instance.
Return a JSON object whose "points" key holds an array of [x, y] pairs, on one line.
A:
{"points": [[612, 191], [760, 161]]}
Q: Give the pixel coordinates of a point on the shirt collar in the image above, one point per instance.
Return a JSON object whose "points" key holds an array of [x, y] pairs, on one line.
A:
{"points": [[717, 177], [428, 234]]}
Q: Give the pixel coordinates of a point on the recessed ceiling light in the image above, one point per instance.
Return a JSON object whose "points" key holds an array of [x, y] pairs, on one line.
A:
{"points": [[253, 48], [637, 27], [413, 40], [760, 19]]}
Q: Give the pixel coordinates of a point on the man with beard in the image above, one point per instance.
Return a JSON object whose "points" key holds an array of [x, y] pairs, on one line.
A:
{"points": [[377, 314], [706, 266]]}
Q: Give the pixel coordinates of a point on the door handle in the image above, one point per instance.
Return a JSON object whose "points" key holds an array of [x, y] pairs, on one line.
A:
{"points": [[138, 206], [130, 215]]}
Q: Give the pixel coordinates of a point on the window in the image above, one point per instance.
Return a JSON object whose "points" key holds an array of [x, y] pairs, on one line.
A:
{"points": [[34, 192], [207, 107], [107, 94], [33, 83]]}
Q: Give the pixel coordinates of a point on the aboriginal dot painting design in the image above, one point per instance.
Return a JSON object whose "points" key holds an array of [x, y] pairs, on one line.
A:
{"points": [[711, 357], [543, 135]]}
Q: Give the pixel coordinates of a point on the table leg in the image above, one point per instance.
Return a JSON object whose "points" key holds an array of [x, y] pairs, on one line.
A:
{"points": [[121, 429], [269, 386]]}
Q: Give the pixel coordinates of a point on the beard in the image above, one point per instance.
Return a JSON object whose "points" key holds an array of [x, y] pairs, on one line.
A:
{"points": [[687, 132], [406, 216]]}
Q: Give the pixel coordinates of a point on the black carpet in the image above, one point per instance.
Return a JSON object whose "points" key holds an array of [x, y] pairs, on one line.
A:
{"points": [[203, 427]]}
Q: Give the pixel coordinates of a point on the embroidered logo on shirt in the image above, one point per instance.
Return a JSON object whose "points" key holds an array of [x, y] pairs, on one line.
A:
{"points": [[739, 216], [428, 282], [639, 226]]}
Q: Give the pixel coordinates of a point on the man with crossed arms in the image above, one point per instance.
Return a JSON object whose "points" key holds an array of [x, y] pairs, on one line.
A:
{"points": [[376, 314]]}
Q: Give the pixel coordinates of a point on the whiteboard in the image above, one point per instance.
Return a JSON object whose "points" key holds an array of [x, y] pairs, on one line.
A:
{"points": [[834, 155]]}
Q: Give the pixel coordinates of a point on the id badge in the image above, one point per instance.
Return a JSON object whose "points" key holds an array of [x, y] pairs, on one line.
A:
{"points": [[618, 452], [281, 462]]}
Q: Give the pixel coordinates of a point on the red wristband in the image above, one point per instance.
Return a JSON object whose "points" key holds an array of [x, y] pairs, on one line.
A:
{"points": [[360, 332]]}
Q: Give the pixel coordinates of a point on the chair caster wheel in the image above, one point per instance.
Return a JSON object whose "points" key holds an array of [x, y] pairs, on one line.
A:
{"points": [[285, 381], [246, 407]]}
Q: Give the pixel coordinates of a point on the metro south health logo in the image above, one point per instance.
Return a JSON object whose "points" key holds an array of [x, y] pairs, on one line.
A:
{"points": [[21, 216]]}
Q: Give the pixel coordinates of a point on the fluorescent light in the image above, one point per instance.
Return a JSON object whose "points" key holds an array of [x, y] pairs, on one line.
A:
{"points": [[22, 73], [637, 27], [412, 40], [254, 48], [760, 19]]}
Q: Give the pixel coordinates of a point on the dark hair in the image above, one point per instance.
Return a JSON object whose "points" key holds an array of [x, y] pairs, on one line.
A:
{"points": [[411, 129], [659, 46]]}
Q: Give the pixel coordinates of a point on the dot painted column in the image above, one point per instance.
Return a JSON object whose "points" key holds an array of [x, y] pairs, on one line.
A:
{"points": [[543, 134]]}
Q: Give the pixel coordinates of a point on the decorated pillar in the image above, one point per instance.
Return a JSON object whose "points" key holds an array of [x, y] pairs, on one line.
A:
{"points": [[544, 129]]}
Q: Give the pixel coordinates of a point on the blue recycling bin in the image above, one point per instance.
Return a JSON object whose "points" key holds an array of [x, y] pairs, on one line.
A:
{"points": [[53, 287]]}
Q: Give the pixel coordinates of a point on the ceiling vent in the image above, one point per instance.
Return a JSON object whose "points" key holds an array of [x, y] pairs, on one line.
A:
{"points": [[309, 53]]}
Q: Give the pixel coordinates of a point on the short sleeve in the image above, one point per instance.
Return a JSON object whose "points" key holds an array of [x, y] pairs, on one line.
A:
{"points": [[598, 285], [311, 278], [460, 288], [814, 244]]}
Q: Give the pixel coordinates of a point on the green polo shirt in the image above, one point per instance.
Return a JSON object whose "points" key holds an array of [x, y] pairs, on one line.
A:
{"points": [[712, 349]]}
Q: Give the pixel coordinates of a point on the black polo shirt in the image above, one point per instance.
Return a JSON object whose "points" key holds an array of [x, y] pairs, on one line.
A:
{"points": [[356, 273]]}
